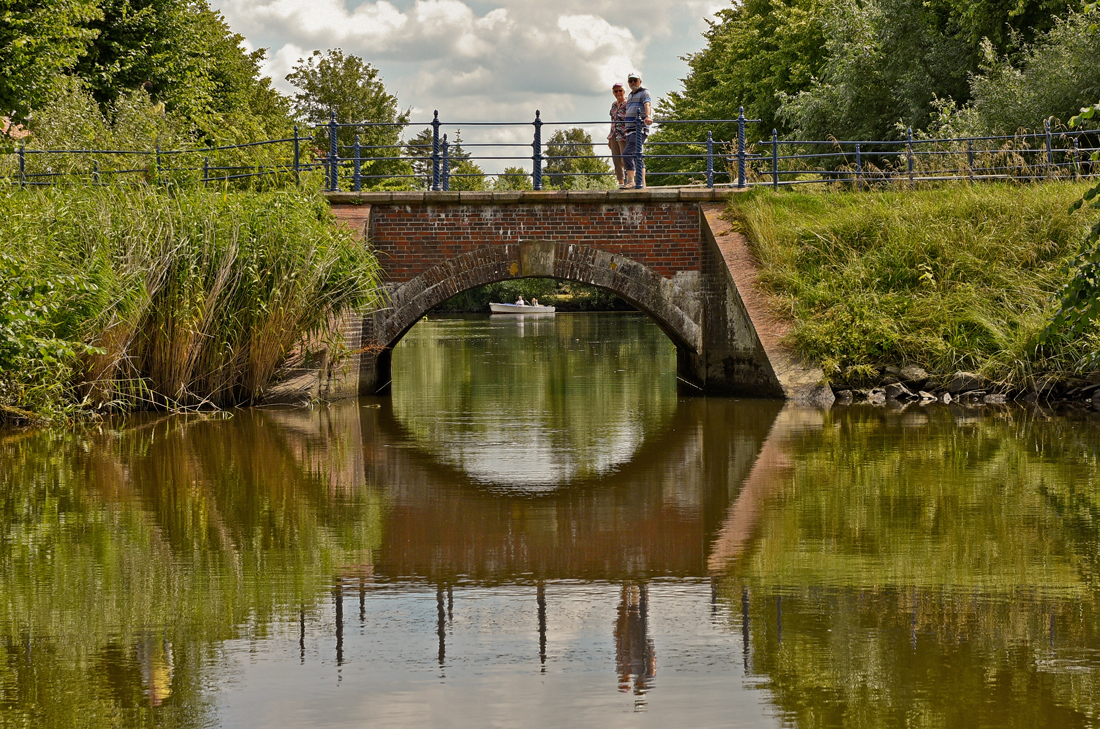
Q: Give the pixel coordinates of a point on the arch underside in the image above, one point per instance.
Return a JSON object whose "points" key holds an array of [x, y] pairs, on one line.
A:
{"points": [[677, 311]]}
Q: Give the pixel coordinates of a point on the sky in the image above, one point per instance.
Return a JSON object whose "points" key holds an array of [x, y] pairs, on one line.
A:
{"points": [[478, 61]]}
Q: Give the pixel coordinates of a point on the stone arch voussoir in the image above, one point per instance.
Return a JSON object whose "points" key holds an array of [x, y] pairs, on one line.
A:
{"points": [[676, 310]]}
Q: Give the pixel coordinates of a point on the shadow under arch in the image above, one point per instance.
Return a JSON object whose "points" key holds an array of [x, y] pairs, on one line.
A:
{"points": [[674, 305]]}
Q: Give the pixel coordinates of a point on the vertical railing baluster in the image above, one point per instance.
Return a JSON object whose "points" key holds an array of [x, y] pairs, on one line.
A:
{"points": [[859, 169], [95, 171], [970, 159], [775, 160], [1076, 160], [446, 164], [156, 165], [909, 154], [22, 164], [205, 170], [333, 155], [536, 158], [297, 157], [1050, 149], [357, 178], [639, 175], [435, 151], [741, 147], [710, 159]]}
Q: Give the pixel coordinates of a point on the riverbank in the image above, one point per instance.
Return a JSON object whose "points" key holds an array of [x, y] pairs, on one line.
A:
{"points": [[954, 284], [138, 297]]}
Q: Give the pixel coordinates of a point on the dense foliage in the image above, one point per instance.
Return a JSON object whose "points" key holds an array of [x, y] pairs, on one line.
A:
{"points": [[121, 296], [867, 70], [571, 162], [952, 278]]}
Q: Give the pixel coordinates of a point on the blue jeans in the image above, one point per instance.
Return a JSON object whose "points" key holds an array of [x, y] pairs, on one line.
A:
{"points": [[634, 143]]}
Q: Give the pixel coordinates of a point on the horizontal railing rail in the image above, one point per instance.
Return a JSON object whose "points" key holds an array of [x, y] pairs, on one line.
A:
{"points": [[710, 152]]}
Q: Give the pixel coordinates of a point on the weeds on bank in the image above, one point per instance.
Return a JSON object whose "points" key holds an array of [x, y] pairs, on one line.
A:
{"points": [[956, 277], [125, 297]]}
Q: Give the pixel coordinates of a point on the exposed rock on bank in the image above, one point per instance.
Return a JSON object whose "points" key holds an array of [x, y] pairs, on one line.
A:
{"points": [[912, 384]]}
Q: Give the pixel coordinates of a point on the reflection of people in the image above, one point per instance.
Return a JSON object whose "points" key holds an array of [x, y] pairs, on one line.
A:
{"points": [[520, 301], [155, 658], [635, 656], [616, 138], [639, 105]]}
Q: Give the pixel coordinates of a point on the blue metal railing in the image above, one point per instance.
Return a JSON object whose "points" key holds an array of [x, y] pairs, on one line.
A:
{"points": [[705, 158]]}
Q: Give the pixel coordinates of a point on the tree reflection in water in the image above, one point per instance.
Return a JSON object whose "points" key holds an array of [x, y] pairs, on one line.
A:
{"points": [[924, 566]]}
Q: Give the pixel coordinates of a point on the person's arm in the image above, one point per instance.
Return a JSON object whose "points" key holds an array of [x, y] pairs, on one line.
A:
{"points": [[648, 111]]}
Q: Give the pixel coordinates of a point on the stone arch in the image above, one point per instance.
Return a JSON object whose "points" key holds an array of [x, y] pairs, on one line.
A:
{"points": [[675, 306]]}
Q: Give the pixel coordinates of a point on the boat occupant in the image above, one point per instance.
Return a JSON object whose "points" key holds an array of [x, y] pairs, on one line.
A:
{"points": [[534, 302], [520, 301]]}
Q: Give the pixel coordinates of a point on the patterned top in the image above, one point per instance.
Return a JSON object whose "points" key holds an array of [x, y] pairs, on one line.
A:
{"points": [[618, 119], [635, 106]]}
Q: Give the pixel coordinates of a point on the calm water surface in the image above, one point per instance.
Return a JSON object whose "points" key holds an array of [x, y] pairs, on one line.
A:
{"points": [[536, 529]]}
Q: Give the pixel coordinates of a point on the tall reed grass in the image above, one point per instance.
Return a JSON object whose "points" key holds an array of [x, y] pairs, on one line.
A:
{"points": [[187, 297], [955, 277]]}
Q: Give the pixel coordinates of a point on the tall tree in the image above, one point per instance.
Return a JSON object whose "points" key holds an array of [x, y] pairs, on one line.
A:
{"points": [[39, 41], [571, 162], [346, 86]]}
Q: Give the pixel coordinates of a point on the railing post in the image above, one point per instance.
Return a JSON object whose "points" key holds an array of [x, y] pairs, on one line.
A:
{"points": [[356, 177], [909, 153], [639, 175], [297, 157], [95, 171], [333, 155], [205, 170], [22, 164], [741, 147], [775, 160], [970, 159], [536, 158], [156, 165], [710, 159], [1076, 160], [1050, 149], [435, 151], [859, 169], [446, 164]]}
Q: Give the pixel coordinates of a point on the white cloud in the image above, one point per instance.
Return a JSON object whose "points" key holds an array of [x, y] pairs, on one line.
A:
{"points": [[486, 60]]}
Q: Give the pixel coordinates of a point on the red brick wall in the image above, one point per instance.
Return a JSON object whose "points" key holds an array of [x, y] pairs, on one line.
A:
{"points": [[409, 239]]}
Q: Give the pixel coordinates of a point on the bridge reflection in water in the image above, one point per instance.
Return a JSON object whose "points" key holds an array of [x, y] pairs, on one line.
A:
{"points": [[853, 564]]}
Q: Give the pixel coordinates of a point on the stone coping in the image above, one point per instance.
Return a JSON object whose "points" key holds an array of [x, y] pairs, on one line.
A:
{"points": [[718, 193]]}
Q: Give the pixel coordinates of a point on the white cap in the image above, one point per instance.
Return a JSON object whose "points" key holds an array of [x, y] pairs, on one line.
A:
{"points": [[634, 74]]}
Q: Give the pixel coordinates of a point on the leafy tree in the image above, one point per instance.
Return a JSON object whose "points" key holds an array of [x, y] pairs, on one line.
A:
{"points": [[347, 86], [886, 62], [754, 51], [513, 178], [1052, 77], [39, 41], [572, 164]]}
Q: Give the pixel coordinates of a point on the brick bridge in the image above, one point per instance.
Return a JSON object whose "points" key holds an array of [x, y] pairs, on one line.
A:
{"points": [[665, 251]]}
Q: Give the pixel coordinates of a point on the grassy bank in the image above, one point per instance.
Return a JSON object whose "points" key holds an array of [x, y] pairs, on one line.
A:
{"points": [[956, 278], [116, 297]]}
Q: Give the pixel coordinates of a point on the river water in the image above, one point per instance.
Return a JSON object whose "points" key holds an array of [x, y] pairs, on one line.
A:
{"points": [[536, 528]]}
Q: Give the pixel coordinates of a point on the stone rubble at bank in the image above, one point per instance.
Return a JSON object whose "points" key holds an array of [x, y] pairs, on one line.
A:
{"points": [[911, 384]]}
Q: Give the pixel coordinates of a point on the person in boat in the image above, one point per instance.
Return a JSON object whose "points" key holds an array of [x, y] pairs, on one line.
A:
{"points": [[534, 302], [520, 301]]}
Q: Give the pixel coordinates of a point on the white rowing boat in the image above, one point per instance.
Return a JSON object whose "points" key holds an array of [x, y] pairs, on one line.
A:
{"points": [[518, 309]]}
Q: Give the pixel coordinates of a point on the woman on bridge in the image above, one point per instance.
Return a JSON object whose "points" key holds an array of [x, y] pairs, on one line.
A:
{"points": [[616, 138]]}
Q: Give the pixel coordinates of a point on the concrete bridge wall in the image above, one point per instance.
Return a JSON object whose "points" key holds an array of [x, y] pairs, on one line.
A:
{"points": [[666, 251]]}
